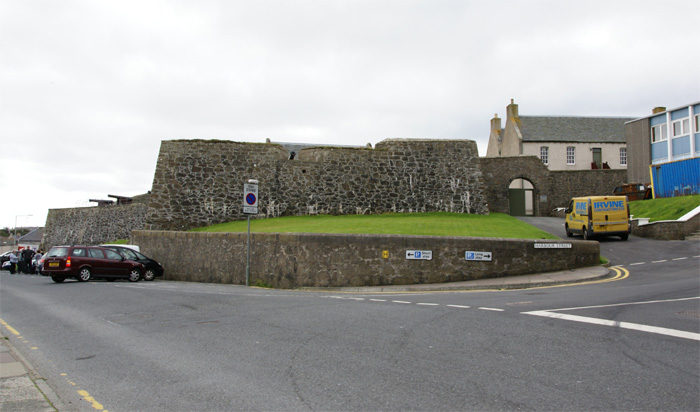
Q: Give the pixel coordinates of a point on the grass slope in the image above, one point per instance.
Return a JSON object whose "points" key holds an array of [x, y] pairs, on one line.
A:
{"points": [[427, 224], [670, 208]]}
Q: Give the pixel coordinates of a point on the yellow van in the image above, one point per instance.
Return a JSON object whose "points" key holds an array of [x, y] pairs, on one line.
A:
{"points": [[598, 216]]}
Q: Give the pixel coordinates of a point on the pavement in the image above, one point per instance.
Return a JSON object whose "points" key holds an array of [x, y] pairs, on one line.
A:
{"points": [[23, 389]]}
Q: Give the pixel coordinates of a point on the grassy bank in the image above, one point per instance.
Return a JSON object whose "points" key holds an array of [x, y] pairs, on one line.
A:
{"points": [[427, 224], [664, 209]]}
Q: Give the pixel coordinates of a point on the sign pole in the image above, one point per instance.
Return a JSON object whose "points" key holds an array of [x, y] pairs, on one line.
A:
{"points": [[250, 206], [247, 261]]}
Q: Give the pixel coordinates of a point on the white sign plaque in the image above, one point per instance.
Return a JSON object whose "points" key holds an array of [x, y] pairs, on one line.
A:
{"points": [[541, 245], [250, 198], [478, 256], [419, 254]]}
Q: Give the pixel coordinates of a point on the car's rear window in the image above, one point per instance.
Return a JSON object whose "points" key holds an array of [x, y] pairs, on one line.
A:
{"points": [[58, 252]]}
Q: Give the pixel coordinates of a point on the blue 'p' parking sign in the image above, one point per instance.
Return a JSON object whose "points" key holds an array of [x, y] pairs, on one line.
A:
{"points": [[250, 198]]}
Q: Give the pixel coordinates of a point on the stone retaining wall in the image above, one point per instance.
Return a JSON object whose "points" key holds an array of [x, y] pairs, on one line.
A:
{"points": [[667, 230], [291, 260]]}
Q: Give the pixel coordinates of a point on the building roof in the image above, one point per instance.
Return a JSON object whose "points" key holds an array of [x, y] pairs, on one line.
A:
{"points": [[34, 236], [573, 129]]}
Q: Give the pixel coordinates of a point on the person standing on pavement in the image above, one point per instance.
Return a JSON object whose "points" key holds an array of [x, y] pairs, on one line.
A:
{"points": [[13, 262], [27, 255]]}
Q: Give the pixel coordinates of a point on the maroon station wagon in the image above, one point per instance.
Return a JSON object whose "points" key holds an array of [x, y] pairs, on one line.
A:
{"points": [[87, 262]]}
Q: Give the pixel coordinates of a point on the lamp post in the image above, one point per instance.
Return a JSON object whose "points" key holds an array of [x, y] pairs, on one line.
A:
{"points": [[16, 216]]}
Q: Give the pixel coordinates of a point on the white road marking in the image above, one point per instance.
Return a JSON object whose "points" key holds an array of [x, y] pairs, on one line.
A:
{"points": [[622, 325], [659, 261], [492, 309], [459, 306], [684, 258], [378, 300], [428, 304], [623, 304], [399, 301], [638, 263]]}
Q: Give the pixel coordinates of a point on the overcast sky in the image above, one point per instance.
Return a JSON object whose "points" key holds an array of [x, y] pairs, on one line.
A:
{"points": [[89, 89]]}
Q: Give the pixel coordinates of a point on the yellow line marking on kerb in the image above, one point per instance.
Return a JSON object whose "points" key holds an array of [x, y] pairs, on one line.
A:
{"points": [[92, 400], [10, 328]]}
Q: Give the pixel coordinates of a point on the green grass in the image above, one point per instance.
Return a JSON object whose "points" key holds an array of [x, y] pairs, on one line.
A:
{"points": [[427, 224], [670, 208]]}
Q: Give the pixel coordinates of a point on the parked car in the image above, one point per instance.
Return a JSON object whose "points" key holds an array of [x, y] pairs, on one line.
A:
{"points": [[5, 257], [152, 268], [37, 263], [633, 191], [87, 262], [132, 247]]}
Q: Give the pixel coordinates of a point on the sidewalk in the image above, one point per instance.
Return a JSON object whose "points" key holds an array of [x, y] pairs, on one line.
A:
{"points": [[563, 277], [20, 389]]}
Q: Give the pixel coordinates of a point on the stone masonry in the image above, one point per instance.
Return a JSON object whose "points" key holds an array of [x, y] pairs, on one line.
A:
{"points": [[200, 182]]}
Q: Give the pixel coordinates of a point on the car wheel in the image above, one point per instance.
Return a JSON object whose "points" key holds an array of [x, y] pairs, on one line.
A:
{"points": [[134, 275], [149, 275], [624, 237], [57, 279], [568, 232], [84, 275], [586, 236]]}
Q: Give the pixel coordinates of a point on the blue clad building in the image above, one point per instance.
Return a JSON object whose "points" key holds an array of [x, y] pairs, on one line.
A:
{"points": [[664, 149]]}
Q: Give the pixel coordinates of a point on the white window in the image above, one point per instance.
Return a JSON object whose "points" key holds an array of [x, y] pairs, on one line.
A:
{"points": [[623, 156], [570, 155], [681, 127], [659, 133], [544, 154]]}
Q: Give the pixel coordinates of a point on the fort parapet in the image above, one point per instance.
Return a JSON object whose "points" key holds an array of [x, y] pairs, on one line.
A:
{"points": [[200, 182]]}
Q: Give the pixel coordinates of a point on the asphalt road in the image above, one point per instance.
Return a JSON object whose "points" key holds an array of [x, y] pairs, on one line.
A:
{"points": [[631, 344]]}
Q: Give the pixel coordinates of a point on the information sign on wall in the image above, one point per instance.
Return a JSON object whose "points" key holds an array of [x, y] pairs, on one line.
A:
{"points": [[478, 256], [419, 254]]}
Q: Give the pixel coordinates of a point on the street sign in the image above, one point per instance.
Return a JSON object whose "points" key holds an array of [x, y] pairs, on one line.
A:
{"points": [[419, 254], [478, 256], [250, 198], [540, 245]]}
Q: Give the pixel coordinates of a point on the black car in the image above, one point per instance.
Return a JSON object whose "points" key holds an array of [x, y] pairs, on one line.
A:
{"points": [[152, 268]]}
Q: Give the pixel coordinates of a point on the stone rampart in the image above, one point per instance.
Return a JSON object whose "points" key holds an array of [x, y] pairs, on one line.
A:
{"points": [[92, 225], [199, 182], [292, 260]]}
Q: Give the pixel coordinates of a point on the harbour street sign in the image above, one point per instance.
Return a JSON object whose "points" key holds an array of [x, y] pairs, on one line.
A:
{"points": [[478, 256], [250, 198], [419, 254], [540, 245]]}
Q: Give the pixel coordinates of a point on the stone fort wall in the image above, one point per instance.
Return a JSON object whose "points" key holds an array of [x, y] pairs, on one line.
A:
{"points": [[200, 182], [92, 225]]}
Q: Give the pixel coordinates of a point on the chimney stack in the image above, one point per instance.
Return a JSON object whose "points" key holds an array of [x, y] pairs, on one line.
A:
{"points": [[495, 122], [658, 109], [512, 110]]}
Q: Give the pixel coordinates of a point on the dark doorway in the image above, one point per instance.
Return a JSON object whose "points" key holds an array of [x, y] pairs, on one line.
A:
{"points": [[521, 198]]}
